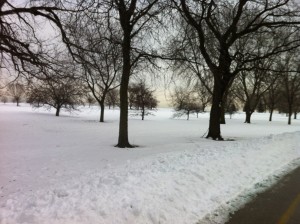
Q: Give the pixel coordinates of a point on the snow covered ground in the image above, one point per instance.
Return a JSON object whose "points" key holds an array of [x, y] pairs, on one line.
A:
{"points": [[66, 170]]}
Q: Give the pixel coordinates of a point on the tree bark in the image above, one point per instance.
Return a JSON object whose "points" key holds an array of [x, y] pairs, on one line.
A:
{"points": [[271, 114], [222, 117], [248, 111], [123, 141], [289, 119], [223, 105], [123, 124], [143, 113], [290, 113], [248, 117], [214, 130], [57, 111], [102, 112]]}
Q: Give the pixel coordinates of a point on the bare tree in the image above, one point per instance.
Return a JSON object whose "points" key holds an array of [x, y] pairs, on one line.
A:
{"points": [[112, 99], [17, 91], [4, 99], [253, 84], [132, 93], [231, 108], [60, 87], [190, 66], [290, 83], [184, 101], [272, 97], [228, 23], [143, 99], [134, 19], [57, 93], [203, 95], [129, 25], [98, 55]]}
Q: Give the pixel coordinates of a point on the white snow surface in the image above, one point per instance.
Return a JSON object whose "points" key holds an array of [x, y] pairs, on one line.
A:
{"points": [[66, 170]]}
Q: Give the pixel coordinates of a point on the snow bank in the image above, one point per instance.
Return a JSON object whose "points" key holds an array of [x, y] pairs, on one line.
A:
{"points": [[174, 187]]}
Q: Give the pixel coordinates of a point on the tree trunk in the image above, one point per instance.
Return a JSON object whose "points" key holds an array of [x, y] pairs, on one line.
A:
{"points": [[290, 113], [248, 111], [223, 105], [248, 117], [295, 115], [214, 130], [222, 117], [188, 115], [143, 113], [102, 112], [57, 111], [123, 124], [271, 114]]}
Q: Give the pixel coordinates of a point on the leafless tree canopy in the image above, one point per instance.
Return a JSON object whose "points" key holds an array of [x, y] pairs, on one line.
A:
{"points": [[16, 91], [223, 28], [19, 43], [63, 93], [135, 21], [185, 100], [142, 99], [290, 84], [97, 54]]}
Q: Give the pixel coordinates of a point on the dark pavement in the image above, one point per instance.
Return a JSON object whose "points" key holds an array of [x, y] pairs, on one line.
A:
{"points": [[278, 205]]}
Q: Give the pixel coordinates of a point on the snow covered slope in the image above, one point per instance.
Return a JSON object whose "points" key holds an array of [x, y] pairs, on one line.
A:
{"points": [[65, 169]]}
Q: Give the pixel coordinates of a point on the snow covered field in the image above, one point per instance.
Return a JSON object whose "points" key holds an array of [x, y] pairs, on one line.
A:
{"points": [[65, 170]]}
